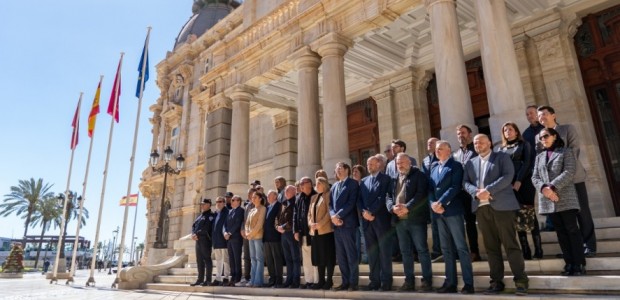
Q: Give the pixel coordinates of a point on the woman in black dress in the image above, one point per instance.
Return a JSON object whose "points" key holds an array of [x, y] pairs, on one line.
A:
{"points": [[322, 232], [520, 152]]}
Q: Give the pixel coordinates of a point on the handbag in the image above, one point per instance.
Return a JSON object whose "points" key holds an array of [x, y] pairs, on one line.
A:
{"points": [[526, 218]]}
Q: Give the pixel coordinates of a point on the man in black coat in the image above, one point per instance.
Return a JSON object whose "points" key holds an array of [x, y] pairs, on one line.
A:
{"points": [[202, 229], [232, 234], [272, 241], [220, 245]]}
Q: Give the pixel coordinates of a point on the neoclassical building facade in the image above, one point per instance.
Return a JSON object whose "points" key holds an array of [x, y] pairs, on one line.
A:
{"points": [[286, 87]]}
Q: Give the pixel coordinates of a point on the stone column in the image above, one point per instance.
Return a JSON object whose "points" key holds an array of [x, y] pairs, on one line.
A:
{"points": [[219, 119], [454, 97], [309, 146], [332, 48], [499, 62], [239, 143], [285, 148], [384, 97]]}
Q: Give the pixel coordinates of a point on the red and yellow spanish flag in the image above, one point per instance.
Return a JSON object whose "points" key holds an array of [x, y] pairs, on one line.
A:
{"points": [[92, 117], [133, 200]]}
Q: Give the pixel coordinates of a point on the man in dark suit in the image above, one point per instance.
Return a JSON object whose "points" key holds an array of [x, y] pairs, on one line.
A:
{"points": [[290, 247], [272, 241], [232, 234], [202, 229], [343, 213], [376, 224], [427, 162], [301, 230], [220, 245], [446, 179], [407, 201], [568, 133], [487, 179], [463, 154]]}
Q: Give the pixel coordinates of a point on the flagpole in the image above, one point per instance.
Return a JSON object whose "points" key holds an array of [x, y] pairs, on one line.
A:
{"points": [[132, 159], [64, 207], [133, 232], [91, 278], [81, 203]]}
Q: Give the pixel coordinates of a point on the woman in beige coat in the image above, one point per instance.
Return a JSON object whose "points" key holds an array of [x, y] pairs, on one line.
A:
{"points": [[254, 234], [323, 244]]}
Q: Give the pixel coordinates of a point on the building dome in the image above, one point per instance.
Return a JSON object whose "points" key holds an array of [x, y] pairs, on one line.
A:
{"points": [[206, 13]]}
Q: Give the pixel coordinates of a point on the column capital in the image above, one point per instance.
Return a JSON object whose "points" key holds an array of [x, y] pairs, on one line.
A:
{"points": [[332, 44], [287, 117], [216, 102], [241, 92], [429, 3], [306, 58]]}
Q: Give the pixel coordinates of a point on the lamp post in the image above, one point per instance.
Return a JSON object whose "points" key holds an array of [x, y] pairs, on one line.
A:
{"points": [[113, 246], [165, 169]]}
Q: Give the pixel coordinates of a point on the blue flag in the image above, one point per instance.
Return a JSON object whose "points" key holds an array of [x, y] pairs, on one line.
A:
{"points": [[145, 52]]}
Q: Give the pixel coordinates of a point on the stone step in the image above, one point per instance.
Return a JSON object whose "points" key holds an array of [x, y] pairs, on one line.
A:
{"points": [[602, 234], [609, 246], [598, 265], [606, 222], [539, 284]]}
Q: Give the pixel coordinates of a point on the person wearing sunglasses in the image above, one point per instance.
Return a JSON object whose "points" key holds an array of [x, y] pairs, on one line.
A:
{"points": [[553, 176]]}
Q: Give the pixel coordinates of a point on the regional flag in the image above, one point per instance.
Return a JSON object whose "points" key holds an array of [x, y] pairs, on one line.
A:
{"points": [[116, 92], [143, 68], [92, 117], [76, 125], [133, 200]]}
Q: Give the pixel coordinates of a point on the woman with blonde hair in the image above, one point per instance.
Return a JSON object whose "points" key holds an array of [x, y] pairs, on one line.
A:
{"points": [[323, 244]]}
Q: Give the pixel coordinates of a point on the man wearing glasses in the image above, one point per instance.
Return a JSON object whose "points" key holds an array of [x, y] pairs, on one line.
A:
{"points": [[232, 234]]}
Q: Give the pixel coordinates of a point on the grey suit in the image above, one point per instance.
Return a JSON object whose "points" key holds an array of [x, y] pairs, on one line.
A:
{"points": [[496, 220], [557, 171]]}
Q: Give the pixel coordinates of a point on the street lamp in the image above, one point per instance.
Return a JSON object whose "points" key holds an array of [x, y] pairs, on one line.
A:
{"points": [[165, 169], [113, 246]]}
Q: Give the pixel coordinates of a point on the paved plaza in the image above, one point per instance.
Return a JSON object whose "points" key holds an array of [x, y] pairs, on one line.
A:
{"points": [[35, 286]]}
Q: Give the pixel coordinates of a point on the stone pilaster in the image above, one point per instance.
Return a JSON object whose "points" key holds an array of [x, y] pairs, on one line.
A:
{"points": [[239, 142], [307, 63], [553, 36], [499, 62], [332, 48], [452, 86], [286, 141], [219, 119], [384, 97]]}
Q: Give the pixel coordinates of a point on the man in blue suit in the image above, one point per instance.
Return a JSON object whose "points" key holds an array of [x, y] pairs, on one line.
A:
{"points": [[408, 202], [376, 224], [232, 233], [446, 177], [343, 213], [488, 180]]}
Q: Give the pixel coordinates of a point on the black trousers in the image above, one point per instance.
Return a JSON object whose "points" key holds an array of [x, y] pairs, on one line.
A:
{"points": [[234, 258], [584, 217], [470, 223], [273, 259], [203, 260], [379, 250], [247, 261], [569, 236]]}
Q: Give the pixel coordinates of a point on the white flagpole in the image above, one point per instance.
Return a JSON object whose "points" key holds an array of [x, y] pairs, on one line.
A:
{"points": [[121, 248], [81, 203], [91, 278], [64, 207], [133, 232]]}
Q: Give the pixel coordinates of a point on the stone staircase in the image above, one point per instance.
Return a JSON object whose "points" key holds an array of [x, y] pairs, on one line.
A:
{"points": [[602, 281]]}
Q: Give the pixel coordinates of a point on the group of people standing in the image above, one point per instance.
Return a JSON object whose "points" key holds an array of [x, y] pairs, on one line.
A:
{"points": [[472, 189]]}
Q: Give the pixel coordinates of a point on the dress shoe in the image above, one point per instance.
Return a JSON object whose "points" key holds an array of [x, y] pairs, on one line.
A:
{"points": [[407, 287], [225, 282], [328, 285], [385, 288], [495, 288], [438, 257], [196, 283], [521, 291], [446, 289], [341, 287], [578, 270], [372, 287], [589, 253], [353, 288], [206, 283], [317, 286], [216, 283], [568, 270], [467, 289], [475, 257], [425, 287]]}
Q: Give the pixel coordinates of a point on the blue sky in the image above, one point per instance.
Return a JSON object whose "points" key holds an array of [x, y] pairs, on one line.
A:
{"points": [[50, 51]]}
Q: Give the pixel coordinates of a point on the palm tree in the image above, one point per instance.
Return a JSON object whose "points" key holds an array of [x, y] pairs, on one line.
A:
{"points": [[72, 212], [45, 213], [23, 200]]}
